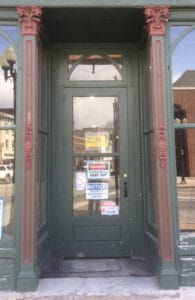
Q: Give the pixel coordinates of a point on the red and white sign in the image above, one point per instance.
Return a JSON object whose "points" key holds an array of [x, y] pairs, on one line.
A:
{"points": [[109, 208], [98, 169]]}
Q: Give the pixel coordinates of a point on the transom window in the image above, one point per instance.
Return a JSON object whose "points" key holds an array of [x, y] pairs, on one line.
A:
{"points": [[95, 67]]}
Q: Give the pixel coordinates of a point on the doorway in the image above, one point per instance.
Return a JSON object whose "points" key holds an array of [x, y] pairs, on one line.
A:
{"points": [[93, 155]]}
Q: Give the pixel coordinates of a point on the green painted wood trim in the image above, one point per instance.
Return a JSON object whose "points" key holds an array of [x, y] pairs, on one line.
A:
{"points": [[182, 14], [134, 136], [7, 253], [27, 280], [43, 251], [8, 14], [168, 276], [97, 3]]}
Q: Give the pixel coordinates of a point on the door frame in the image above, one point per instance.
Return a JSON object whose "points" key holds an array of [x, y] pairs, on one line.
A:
{"points": [[120, 223], [131, 83]]}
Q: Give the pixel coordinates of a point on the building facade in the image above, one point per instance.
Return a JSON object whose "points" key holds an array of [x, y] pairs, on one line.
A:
{"points": [[97, 133]]}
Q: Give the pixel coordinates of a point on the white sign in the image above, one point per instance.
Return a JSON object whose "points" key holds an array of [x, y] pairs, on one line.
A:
{"points": [[109, 208], [97, 191], [1, 217], [98, 169], [80, 181]]}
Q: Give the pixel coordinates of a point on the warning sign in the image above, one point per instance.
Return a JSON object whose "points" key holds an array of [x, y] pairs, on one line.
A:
{"points": [[97, 191], [98, 169]]}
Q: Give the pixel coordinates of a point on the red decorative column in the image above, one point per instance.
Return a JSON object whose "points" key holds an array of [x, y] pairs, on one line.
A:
{"points": [[29, 17], [156, 19]]}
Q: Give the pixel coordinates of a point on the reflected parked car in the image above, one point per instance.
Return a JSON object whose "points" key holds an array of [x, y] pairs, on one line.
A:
{"points": [[6, 173]]}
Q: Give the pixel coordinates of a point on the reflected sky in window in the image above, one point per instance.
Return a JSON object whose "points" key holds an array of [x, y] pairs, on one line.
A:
{"points": [[183, 57], [175, 31], [11, 32]]}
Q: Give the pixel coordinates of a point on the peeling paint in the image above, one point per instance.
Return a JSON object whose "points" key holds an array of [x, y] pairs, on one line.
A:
{"points": [[188, 259], [184, 243], [184, 248]]}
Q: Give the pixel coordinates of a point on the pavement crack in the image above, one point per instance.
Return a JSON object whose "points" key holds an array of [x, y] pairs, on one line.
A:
{"points": [[78, 288]]}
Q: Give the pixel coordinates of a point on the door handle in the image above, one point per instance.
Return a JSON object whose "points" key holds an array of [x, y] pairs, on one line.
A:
{"points": [[125, 188], [125, 185]]}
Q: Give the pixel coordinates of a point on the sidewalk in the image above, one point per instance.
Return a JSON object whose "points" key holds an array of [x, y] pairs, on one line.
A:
{"points": [[115, 288]]}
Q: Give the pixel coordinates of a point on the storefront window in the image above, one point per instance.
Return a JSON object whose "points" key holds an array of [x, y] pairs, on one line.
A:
{"points": [[8, 38], [183, 81]]}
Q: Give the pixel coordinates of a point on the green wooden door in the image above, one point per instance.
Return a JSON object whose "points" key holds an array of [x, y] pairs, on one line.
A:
{"points": [[94, 168]]}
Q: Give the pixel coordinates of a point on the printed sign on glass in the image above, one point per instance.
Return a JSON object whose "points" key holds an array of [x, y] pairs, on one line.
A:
{"points": [[98, 169], [80, 181], [97, 191], [96, 141], [109, 208]]}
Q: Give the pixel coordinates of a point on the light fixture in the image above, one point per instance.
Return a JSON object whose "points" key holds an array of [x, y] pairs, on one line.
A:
{"points": [[7, 62]]}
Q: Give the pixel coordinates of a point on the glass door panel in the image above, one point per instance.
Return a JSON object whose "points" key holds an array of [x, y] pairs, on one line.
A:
{"points": [[96, 187], [96, 178], [95, 125]]}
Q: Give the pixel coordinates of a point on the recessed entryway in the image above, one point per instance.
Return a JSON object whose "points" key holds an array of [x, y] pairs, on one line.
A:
{"points": [[94, 114]]}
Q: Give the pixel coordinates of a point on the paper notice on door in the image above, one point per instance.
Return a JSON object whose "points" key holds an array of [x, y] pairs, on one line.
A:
{"points": [[80, 181], [109, 208], [97, 191], [1, 217]]}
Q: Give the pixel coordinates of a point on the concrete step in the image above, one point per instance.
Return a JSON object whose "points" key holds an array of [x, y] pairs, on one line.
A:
{"points": [[113, 288]]}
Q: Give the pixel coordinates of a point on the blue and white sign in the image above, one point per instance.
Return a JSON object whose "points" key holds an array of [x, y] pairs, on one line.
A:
{"points": [[1, 217], [97, 191]]}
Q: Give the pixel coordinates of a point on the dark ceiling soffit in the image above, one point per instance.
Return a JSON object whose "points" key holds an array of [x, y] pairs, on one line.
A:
{"points": [[92, 13], [97, 3]]}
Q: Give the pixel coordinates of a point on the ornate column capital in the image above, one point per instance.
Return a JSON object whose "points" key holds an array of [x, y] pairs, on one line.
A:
{"points": [[30, 18], [156, 18]]}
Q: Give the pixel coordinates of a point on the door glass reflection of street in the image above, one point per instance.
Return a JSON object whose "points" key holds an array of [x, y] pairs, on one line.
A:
{"points": [[183, 80], [186, 198], [7, 192], [8, 76], [96, 178]]}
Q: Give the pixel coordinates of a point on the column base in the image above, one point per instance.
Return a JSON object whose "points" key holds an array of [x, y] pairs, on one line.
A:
{"points": [[168, 277], [27, 281]]}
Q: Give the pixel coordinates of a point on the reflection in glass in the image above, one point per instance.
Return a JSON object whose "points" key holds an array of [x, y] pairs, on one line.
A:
{"points": [[11, 32], [185, 162], [175, 31], [96, 186], [95, 125], [95, 67], [7, 186], [7, 78], [183, 72], [7, 128]]}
